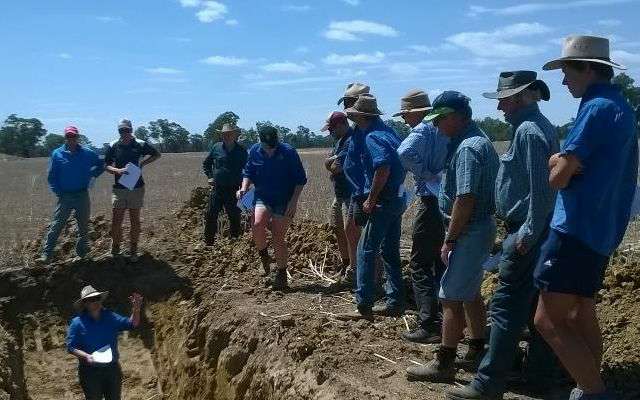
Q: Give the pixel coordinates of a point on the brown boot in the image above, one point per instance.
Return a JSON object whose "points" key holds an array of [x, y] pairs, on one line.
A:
{"points": [[440, 369]]}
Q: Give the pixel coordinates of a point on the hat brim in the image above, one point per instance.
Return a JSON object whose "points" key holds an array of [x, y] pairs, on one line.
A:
{"points": [[558, 63], [402, 112], [78, 303], [503, 94], [438, 112], [353, 111], [231, 131]]}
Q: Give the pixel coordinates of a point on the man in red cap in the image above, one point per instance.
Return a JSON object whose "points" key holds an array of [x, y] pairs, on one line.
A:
{"points": [[71, 168]]}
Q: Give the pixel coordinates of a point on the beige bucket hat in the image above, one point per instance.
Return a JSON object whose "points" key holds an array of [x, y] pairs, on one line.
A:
{"points": [[354, 90], [366, 104], [584, 48], [227, 128], [88, 292], [414, 101]]}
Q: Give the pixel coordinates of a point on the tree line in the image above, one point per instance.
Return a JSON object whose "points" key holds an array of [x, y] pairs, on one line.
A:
{"points": [[27, 137]]}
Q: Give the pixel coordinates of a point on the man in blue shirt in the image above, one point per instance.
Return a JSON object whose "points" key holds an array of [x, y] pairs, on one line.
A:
{"points": [[382, 208], [524, 201], [96, 329], [596, 175], [467, 203], [276, 172], [423, 153], [71, 169]]}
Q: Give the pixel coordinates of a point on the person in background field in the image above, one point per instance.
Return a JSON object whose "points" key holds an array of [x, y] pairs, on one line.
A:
{"points": [[119, 153], [595, 174], [71, 168], [94, 328], [276, 171], [223, 166], [345, 229], [524, 201], [467, 202], [423, 153], [381, 211]]}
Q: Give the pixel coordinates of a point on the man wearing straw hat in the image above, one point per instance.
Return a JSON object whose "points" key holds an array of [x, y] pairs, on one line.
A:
{"points": [[524, 201], [223, 166], [381, 211], [595, 174], [423, 153], [93, 338]]}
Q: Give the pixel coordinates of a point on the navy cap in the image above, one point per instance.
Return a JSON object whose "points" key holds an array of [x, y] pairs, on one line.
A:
{"points": [[447, 103]]}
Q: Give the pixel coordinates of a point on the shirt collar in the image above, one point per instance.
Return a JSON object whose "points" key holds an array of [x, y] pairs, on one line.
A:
{"points": [[376, 125], [470, 131], [598, 89], [65, 148], [522, 114]]}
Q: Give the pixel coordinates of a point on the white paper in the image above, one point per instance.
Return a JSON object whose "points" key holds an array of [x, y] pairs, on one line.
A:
{"points": [[130, 179], [102, 355], [635, 204], [246, 202], [492, 262]]}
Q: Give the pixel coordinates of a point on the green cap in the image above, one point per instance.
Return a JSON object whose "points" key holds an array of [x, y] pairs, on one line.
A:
{"points": [[438, 112]]}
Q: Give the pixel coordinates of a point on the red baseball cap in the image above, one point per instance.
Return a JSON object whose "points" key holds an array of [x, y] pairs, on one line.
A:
{"points": [[333, 119], [71, 131]]}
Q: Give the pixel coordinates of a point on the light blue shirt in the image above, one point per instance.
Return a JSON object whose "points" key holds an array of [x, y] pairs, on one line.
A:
{"points": [[424, 154]]}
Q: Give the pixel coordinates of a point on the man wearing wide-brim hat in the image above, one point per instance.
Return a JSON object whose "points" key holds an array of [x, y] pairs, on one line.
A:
{"points": [[423, 153], [93, 338], [351, 94], [223, 168], [595, 174], [380, 207], [524, 202]]}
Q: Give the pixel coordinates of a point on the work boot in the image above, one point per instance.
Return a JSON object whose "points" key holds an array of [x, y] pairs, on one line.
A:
{"points": [[422, 335], [362, 312], [468, 393], [470, 361], [388, 311], [266, 261], [279, 280], [441, 369]]}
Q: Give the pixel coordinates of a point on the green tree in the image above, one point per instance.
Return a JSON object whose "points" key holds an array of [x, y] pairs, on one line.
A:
{"points": [[498, 131], [197, 143], [51, 142], [248, 137], [171, 135], [400, 128], [631, 93], [212, 133], [20, 136], [142, 133]]}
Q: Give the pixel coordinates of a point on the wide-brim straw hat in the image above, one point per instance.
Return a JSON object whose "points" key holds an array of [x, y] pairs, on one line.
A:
{"points": [[414, 101], [354, 90], [584, 48], [88, 292], [514, 82], [229, 128], [366, 104]]}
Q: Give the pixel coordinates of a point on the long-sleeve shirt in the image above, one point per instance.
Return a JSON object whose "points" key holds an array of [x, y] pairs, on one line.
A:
{"points": [[225, 167], [381, 150], [523, 194], [89, 335], [472, 166], [424, 154], [275, 178], [595, 206], [72, 171]]}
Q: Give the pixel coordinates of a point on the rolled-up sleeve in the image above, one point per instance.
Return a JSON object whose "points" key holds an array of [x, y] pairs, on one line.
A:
{"points": [[467, 172]]}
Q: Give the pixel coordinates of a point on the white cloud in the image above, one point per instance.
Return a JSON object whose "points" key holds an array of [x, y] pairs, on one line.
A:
{"points": [[225, 61], [527, 8], [610, 22], [360, 58], [288, 67], [65, 56], [296, 8], [352, 30], [231, 22], [499, 43], [211, 11], [352, 2], [190, 3], [107, 19], [418, 48], [625, 57], [163, 71], [404, 69], [298, 81]]}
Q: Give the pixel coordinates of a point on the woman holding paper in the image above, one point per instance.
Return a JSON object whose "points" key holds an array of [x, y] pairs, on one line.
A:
{"points": [[93, 339], [277, 173]]}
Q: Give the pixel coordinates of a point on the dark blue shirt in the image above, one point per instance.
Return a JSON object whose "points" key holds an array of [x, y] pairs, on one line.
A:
{"points": [[381, 150], [275, 177], [225, 167], [352, 167], [595, 207], [120, 154], [89, 335], [72, 171], [341, 185]]}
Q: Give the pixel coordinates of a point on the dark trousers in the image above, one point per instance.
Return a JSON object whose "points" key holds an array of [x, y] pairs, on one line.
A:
{"points": [[426, 266], [224, 196], [103, 382], [511, 308]]}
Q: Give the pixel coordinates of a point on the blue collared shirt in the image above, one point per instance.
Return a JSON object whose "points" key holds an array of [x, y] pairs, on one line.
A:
{"points": [[72, 171], [595, 207], [275, 177], [89, 335], [472, 166], [424, 153], [352, 167], [523, 194]]}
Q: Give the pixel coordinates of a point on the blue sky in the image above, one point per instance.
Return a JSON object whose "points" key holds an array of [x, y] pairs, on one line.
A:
{"points": [[91, 63]]}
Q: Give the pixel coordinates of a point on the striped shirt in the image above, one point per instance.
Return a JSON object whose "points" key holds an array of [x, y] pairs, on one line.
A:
{"points": [[472, 166], [523, 194]]}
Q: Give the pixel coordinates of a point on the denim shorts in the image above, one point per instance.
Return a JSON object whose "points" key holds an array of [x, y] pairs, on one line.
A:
{"points": [[462, 279], [277, 211], [566, 265]]}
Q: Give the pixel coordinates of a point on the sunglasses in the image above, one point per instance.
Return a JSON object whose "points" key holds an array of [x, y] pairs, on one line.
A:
{"points": [[90, 300]]}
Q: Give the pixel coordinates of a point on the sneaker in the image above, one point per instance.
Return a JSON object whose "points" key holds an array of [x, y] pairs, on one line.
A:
{"points": [[388, 311], [439, 370], [279, 281], [421, 335], [468, 393]]}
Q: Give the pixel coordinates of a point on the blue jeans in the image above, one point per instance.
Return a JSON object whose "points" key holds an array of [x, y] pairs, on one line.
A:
{"points": [[67, 202], [382, 230], [511, 309]]}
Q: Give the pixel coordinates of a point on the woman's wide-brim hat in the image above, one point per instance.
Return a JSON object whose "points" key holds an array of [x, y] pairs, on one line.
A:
{"points": [[584, 48], [366, 104], [229, 128], [414, 101], [514, 82], [89, 292]]}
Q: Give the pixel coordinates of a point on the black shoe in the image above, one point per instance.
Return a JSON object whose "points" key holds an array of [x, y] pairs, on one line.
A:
{"points": [[470, 361], [441, 369], [360, 313], [421, 335], [468, 393], [266, 262], [388, 311], [279, 280]]}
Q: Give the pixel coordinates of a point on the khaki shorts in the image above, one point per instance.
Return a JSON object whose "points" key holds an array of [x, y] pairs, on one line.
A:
{"points": [[128, 199], [339, 211]]}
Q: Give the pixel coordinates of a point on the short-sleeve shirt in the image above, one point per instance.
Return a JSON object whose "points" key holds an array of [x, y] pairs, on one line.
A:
{"points": [[89, 335], [352, 167], [381, 150], [119, 154], [595, 207], [472, 167], [341, 185]]}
